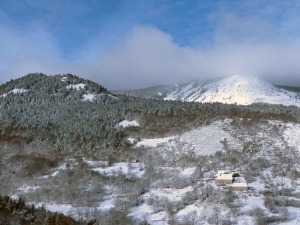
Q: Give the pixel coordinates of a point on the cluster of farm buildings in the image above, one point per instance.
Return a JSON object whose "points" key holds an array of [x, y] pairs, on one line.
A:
{"points": [[227, 179]]}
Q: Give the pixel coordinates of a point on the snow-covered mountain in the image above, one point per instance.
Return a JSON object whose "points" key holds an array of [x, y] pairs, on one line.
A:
{"points": [[244, 91], [233, 90], [180, 91]]}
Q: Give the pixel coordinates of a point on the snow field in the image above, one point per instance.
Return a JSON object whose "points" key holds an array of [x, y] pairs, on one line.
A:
{"points": [[107, 203], [294, 216], [75, 86], [66, 209], [292, 135], [23, 190], [114, 97], [77, 212], [141, 212], [189, 210], [50, 175], [255, 200], [152, 143], [126, 123], [56, 171], [15, 91], [172, 194], [146, 211], [206, 140], [88, 97], [251, 202], [187, 172], [131, 140], [184, 92], [128, 169], [125, 168], [202, 141], [26, 188], [196, 211]]}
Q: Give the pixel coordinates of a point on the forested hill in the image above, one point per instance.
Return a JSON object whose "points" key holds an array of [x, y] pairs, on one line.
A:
{"points": [[51, 84], [71, 112]]}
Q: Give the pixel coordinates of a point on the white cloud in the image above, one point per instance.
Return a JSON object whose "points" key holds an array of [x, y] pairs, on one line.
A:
{"points": [[248, 44], [150, 57]]}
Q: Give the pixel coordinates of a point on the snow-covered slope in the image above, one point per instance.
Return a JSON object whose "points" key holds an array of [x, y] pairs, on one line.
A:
{"points": [[15, 91], [233, 90], [180, 91], [245, 91], [186, 90]]}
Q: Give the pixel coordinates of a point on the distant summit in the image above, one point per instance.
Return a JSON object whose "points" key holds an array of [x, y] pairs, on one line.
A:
{"points": [[236, 89], [244, 91]]}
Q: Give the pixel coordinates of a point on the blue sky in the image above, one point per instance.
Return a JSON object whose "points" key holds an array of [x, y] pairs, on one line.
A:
{"points": [[135, 44], [74, 23]]}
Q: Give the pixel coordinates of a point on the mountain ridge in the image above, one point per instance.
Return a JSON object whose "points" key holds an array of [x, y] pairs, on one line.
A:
{"points": [[236, 89]]}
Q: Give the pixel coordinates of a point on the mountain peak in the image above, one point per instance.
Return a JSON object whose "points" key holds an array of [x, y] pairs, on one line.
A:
{"points": [[245, 90], [243, 79], [236, 89]]}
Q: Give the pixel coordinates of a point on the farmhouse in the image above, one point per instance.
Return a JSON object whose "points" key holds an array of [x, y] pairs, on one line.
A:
{"points": [[219, 173], [222, 179]]}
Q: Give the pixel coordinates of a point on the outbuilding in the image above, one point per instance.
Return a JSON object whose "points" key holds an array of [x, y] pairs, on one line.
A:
{"points": [[223, 179], [239, 187]]}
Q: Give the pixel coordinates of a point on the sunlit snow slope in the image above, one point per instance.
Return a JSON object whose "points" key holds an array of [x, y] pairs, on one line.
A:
{"points": [[233, 90], [244, 91]]}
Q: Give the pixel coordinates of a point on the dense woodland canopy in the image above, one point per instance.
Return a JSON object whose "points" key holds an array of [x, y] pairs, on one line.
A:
{"points": [[17, 212]]}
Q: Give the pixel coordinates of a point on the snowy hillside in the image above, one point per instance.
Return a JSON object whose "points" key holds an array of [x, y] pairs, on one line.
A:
{"points": [[233, 90], [245, 91], [70, 146], [180, 91]]}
